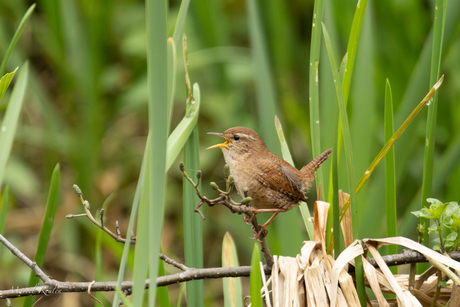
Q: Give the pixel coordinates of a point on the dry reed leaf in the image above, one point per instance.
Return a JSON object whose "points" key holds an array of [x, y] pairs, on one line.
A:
{"points": [[320, 210], [348, 288], [350, 253], [276, 282], [304, 258], [289, 269], [315, 277], [265, 291], [405, 298], [371, 275], [424, 276], [424, 299], [427, 252], [347, 229]]}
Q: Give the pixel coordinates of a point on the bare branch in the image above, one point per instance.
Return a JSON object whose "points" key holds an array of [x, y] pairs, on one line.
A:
{"points": [[226, 200], [101, 225], [31, 264]]}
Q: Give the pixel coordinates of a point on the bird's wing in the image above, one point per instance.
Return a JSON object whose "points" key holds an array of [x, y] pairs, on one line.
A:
{"points": [[280, 178]]}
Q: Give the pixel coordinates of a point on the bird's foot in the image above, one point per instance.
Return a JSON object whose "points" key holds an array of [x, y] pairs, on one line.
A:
{"points": [[248, 218], [257, 234]]}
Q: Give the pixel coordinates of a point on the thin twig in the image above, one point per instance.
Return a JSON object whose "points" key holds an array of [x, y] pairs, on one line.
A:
{"points": [[226, 200], [88, 214], [31, 264]]}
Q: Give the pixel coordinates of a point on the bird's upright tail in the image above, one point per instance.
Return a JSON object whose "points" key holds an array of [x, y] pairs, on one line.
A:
{"points": [[309, 169]]}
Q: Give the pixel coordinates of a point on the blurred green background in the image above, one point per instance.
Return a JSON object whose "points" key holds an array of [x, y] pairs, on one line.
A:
{"points": [[86, 108]]}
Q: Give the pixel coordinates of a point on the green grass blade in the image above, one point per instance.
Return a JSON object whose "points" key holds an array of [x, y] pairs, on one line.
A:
{"points": [[141, 250], [162, 292], [10, 120], [193, 225], [233, 292], [5, 82], [171, 77], [348, 162], [132, 220], [255, 278], [397, 134], [4, 208], [157, 76], [266, 96], [15, 39], [390, 177], [438, 35], [179, 27], [353, 46], [45, 230], [150, 218], [287, 156], [181, 133], [313, 85], [123, 298]]}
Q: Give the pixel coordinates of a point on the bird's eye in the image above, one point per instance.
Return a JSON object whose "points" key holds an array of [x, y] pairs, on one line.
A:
{"points": [[236, 137]]}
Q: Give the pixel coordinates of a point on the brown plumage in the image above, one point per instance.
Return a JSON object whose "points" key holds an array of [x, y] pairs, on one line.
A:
{"points": [[273, 184]]}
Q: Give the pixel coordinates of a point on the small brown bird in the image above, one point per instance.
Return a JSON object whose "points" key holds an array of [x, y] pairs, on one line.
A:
{"points": [[273, 184]]}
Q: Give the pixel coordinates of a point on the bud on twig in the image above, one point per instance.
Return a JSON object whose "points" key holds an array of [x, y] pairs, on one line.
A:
{"points": [[226, 171], [246, 200], [214, 186], [231, 179], [77, 190], [198, 174], [182, 167]]}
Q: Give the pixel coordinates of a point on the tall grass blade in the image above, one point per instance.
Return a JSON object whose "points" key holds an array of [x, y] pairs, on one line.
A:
{"points": [[266, 97], [171, 77], [193, 225], [132, 220], [352, 46], [10, 120], [348, 162], [179, 28], [15, 39], [45, 230], [233, 292], [4, 208], [181, 133], [141, 251], [157, 76], [438, 35], [255, 278], [397, 134], [390, 177], [150, 219], [313, 85], [162, 292]]}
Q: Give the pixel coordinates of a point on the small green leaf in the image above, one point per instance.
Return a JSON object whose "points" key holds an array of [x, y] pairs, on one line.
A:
{"points": [[452, 236], [437, 208], [434, 228], [5, 82], [424, 212]]}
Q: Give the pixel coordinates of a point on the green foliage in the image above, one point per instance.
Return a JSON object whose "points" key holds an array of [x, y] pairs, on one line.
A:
{"points": [[446, 216], [86, 107], [256, 278]]}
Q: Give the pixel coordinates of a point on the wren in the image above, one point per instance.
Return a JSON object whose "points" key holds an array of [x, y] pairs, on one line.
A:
{"points": [[273, 184]]}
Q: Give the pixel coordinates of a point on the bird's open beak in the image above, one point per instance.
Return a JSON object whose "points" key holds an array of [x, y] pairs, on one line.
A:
{"points": [[224, 144]]}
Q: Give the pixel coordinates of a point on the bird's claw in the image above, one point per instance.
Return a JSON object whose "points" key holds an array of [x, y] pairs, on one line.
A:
{"points": [[262, 232]]}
